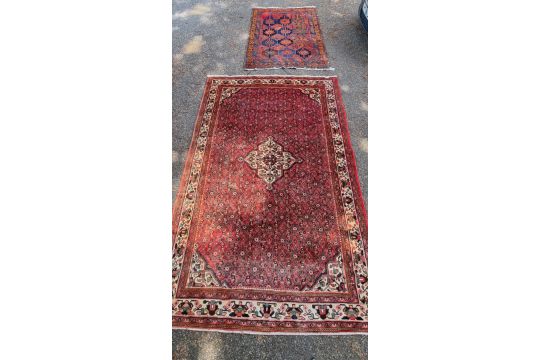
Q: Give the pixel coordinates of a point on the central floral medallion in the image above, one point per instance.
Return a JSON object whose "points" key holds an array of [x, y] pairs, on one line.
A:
{"points": [[269, 160]]}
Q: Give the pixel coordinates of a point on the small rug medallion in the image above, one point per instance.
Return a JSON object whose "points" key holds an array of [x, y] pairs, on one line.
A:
{"points": [[269, 226], [285, 38]]}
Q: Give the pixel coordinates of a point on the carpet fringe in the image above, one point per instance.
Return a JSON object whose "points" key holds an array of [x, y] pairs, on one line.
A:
{"points": [[274, 75], [249, 332], [292, 68], [284, 7]]}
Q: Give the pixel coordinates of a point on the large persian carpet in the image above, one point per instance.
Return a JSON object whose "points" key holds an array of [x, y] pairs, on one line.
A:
{"points": [[269, 226], [285, 38]]}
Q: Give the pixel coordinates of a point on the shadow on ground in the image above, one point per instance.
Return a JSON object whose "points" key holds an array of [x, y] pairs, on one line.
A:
{"points": [[197, 345], [209, 38]]}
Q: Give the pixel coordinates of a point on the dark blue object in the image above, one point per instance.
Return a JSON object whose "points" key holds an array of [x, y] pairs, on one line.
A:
{"points": [[363, 13]]}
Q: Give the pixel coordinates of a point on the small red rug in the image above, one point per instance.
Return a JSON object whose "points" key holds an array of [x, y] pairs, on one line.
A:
{"points": [[269, 226], [285, 38]]}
